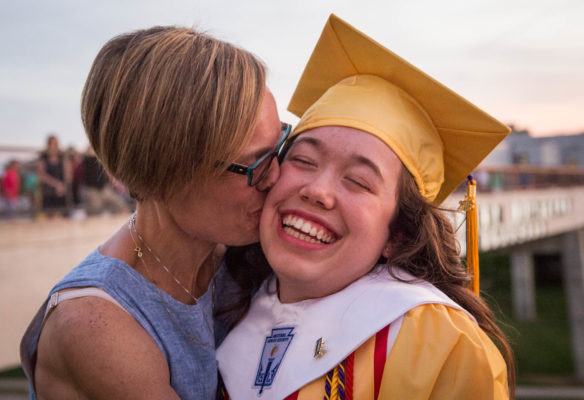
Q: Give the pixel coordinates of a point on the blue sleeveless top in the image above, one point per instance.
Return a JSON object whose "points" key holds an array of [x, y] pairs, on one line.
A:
{"points": [[193, 369]]}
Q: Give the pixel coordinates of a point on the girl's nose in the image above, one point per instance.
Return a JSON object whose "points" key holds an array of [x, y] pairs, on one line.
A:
{"points": [[319, 192]]}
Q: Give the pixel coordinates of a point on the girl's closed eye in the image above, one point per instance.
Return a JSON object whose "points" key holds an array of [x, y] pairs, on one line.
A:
{"points": [[301, 160], [360, 183]]}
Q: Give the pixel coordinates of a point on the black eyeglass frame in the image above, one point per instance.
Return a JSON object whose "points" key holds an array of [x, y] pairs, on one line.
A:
{"points": [[268, 158]]}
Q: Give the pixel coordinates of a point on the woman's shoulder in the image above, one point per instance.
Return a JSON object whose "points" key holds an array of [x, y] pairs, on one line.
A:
{"points": [[92, 328], [97, 270], [84, 334]]}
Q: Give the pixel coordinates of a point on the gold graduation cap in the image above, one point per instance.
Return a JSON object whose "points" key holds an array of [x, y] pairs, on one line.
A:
{"points": [[351, 80]]}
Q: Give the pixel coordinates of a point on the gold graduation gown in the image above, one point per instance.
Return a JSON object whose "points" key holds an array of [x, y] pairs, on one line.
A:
{"points": [[439, 353], [403, 340]]}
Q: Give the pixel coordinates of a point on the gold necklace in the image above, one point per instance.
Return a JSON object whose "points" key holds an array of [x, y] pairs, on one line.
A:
{"points": [[138, 250]]}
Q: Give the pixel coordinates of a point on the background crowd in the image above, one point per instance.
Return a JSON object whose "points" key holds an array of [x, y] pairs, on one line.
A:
{"points": [[60, 184]]}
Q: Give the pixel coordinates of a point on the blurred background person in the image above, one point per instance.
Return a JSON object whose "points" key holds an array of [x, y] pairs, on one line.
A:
{"points": [[54, 172], [74, 158], [31, 191], [97, 191], [11, 188]]}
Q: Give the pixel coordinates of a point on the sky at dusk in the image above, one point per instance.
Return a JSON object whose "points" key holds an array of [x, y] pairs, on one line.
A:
{"points": [[521, 61]]}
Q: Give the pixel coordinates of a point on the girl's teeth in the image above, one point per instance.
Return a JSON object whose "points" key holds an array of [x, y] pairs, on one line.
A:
{"points": [[310, 234], [299, 235]]}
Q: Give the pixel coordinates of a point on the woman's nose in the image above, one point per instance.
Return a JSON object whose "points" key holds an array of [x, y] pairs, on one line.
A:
{"points": [[270, 178]]}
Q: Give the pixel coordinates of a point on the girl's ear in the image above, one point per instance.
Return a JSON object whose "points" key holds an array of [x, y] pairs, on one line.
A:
{"points": [[386, 250]]}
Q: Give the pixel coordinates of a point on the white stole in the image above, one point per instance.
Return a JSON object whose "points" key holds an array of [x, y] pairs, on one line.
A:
{"points": [[263, 341]]}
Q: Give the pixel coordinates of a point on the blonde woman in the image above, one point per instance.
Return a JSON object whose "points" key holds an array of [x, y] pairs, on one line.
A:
{"points": [[187, 124]]}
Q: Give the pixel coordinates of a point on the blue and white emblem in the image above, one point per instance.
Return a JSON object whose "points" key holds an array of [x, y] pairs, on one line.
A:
{"points": [[275, 347]]}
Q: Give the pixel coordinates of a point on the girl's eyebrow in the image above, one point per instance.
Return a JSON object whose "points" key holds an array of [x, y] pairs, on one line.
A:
{"points": [[309, 140], [367, 162]]}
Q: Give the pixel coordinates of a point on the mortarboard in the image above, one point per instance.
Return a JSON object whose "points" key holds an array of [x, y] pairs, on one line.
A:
{"points": [[351, 80]]}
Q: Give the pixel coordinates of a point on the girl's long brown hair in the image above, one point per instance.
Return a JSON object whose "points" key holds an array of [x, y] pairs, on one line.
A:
{"points": [[423, 243]]}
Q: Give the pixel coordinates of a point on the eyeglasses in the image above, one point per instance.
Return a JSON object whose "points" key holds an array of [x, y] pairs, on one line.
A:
{"points": [[259, 169]]}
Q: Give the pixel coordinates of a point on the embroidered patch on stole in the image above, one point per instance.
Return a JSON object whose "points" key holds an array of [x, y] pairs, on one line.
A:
{"points": [[275, 347]]}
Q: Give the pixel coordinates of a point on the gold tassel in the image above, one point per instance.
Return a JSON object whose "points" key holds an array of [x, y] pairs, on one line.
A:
{"points": [[469, 205]]}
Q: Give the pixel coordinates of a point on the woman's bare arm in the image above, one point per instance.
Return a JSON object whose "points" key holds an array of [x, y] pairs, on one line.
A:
{"points": [[91, 349]]}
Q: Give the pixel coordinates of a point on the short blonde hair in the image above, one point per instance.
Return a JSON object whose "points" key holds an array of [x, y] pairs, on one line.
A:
{"points": [[162, 106]]}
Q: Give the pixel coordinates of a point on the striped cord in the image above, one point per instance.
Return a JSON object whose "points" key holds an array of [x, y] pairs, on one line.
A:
{"points": [[339, 381]]}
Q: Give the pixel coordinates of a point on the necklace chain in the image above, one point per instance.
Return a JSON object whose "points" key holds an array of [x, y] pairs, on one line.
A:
{"points": [[138, 250]]}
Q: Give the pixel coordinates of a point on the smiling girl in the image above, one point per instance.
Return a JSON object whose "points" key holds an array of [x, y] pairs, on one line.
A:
{"points": [[369, 298]]}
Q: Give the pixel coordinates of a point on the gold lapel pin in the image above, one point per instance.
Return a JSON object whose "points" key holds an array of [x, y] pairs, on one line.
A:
{"points": [[319, 349]]}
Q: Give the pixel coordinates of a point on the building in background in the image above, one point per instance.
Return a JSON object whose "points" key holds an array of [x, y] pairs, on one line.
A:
{"points": [[520, 148]]}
